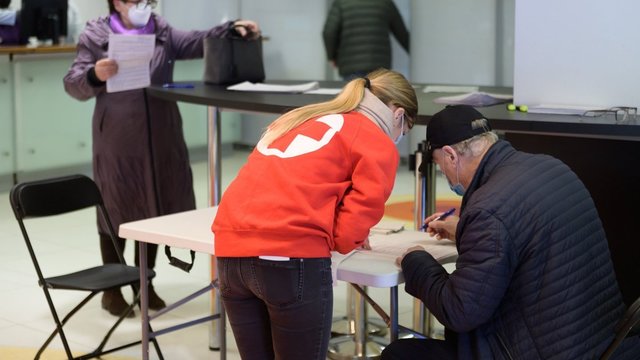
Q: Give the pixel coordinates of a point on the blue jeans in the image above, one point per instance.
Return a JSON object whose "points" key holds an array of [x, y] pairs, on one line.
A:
{"points": [[278, 309]]}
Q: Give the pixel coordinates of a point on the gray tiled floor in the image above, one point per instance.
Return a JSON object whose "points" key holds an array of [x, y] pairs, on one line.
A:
{"points": [[25, 320]]}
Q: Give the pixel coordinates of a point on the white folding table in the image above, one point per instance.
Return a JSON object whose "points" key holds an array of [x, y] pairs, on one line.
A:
{"points": [[192, 230]]}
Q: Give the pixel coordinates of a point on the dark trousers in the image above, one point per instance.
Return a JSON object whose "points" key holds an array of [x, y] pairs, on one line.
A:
{"points": [[109, 254], [278, 309], [423, 349]]}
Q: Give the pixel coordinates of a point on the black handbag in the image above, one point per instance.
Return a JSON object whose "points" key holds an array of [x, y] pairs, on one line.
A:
{"points": [[232, 59]]}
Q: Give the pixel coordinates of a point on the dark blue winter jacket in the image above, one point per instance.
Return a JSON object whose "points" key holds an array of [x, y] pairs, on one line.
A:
{"points": [[534, 279]]}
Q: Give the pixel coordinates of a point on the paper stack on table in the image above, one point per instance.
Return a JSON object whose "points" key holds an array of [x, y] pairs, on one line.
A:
{"points": [[396, 244], [249, 86], [450, 88], [474, 99], [386, 227]]}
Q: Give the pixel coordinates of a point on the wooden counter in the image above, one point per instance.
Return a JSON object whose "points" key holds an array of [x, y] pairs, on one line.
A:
{"points": [[28, 49]]}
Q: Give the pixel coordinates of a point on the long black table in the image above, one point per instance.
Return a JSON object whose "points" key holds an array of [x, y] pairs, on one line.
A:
{"points": [[605, 155]]}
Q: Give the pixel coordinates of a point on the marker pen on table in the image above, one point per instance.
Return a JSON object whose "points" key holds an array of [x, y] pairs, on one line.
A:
{"points": [[444, 215]]}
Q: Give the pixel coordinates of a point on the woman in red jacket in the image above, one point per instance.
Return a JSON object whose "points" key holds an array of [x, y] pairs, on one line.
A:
{"points": [[316, 182]]}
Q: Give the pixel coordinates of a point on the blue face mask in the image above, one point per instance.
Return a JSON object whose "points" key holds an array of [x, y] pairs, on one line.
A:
{"points": [[457, 188]]}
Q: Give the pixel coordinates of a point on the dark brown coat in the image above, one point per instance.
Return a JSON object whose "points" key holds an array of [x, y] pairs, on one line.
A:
{"points": [[140, 162]]}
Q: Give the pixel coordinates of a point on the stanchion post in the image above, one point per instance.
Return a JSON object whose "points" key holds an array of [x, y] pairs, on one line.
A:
{"points": [[425, 203], [217, 334]]}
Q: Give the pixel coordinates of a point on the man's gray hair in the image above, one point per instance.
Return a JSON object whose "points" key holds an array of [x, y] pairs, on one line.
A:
{"points": [[475, 146]]}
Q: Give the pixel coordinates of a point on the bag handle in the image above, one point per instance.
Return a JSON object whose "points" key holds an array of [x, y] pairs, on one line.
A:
{"points": [[183, 265]]}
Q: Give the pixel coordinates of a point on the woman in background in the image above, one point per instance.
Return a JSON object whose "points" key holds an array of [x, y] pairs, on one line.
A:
{"points": [[140, 159], [9, 24], [316, 182]]}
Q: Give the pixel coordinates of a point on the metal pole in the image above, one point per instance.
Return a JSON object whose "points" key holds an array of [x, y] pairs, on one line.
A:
{"points": [[216, 335], [425, 194], [360, 336]]}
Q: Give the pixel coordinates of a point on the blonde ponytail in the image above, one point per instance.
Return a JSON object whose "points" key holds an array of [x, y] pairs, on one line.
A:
{"points": [[389, 86]]}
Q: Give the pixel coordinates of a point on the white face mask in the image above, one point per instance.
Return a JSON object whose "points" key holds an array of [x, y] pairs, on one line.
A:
{"points": [[139, 17]]}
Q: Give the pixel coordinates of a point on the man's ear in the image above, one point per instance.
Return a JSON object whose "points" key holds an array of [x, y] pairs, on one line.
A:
{"points": [[449, 153]]}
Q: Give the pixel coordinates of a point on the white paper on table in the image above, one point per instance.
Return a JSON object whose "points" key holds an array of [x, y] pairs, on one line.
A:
{"points": [[324, 91], [249, 86], [386, 227], [450, 88], [133, 54], [474, 99], [559, 109], [395, 244]]}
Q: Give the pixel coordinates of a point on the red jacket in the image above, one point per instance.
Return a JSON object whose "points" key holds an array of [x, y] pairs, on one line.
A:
{"points": [[318, 188]]}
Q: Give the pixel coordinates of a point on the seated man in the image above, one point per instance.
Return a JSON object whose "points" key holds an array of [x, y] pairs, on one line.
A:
{"points": [[533, 279], [9, 24]]}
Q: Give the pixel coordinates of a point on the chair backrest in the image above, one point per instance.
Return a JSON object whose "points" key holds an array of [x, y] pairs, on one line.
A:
{"points": [[54, 196]]}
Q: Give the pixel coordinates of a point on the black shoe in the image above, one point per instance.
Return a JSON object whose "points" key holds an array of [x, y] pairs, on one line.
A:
{"points": [[155, 302], [113, 302]]}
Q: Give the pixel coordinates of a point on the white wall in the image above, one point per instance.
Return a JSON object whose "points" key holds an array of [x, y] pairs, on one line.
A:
{"points": [[464, 42], [293, 51], [90, 9], [198, 14], [458, 42], [294, 48], [578, 53]]}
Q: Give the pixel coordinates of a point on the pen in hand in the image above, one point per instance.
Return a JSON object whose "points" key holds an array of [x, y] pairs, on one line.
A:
{"points": [[441, 217]]}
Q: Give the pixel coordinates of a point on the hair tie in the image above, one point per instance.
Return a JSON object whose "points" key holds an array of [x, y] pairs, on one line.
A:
{"points": [[367, 83]]}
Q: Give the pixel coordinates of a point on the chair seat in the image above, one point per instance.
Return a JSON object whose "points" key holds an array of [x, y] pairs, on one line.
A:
{"points": [[98, 278]]}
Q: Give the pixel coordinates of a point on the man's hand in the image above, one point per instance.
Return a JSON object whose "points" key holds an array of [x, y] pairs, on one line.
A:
{"points": [[411, 249], [442, 229]]}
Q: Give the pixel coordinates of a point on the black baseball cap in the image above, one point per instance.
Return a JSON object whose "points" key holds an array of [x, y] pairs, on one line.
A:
{"points": [[452, 125]]}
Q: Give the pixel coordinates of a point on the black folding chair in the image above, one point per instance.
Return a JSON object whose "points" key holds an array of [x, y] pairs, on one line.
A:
{"points": [[628, 326], [57, 196]]}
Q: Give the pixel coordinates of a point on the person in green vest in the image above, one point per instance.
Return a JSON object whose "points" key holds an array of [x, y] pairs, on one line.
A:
{"points": [[356, 35]]}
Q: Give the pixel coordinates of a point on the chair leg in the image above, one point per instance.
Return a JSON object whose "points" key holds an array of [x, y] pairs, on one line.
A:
{"points": [[113, 328], [60, 324]]}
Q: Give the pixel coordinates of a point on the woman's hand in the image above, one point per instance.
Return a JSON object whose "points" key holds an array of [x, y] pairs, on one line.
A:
{"points": [[442, 229], [365, 245], [106, 68], [247, 28]]}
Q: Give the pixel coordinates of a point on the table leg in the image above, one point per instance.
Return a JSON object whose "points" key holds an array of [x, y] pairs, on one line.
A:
{"points": [[144, 299], [393, 313], [360, 344], [360, 335]]}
